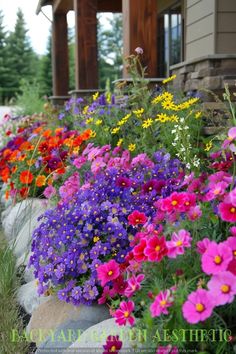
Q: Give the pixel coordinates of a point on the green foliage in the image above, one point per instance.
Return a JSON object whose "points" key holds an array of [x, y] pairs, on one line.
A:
{"points": [[22, 62], [3, 59], [45, 70], [9, 311], [109, 50], [29, 100]]}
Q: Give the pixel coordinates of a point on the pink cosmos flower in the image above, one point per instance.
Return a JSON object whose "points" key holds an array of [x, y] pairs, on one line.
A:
{"points": [[113, 345], [93, 153], [230, 138], [216, 258], [108, 271], [220, 176], [167, 350], [202, 245], [175, 202], [194, 213], [142, 159], [161, 303], [123, 182], [231, 243], [222, 287], [233, 231], [138, 251], [97, 165], [133, 284], [106, 294], [156, 249], [232, 197], [137, 218], [79, 161], [179, 241], [49, 192], [124, 313], [216, 191], [227, 211], [198, 307]]}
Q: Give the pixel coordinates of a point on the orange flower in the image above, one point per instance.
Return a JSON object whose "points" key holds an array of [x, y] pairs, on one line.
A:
{"points": [[22, 157], [26, 146], [40, 181], [86, 134], [7, 153], [50, 181], [58, 130], [47, 133], [37, 130], [7, 194], [26, 177], [5, 174], [13, 156]]}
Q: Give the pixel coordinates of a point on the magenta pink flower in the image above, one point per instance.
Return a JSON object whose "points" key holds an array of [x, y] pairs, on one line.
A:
{"points": [[194, 213], [156, 248], [49, 192], [162, 302], [97, 165], [167, 350], [216, 258], [124, 313], [133, 284], [108, 271], [113, 345], [93, 153], [220, 176], [142, 159], [137, 218], [179, 241], [123, 182], [198, 307], [202, 245], [217, 190], [231, 243], [119, 285], [230, 138], [222, 287], [106, 295], [227, 212], [79, 161], [233, 231], [175, 202], [232, 197]]}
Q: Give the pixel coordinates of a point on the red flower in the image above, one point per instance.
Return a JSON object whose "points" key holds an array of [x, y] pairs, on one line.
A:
{"points": [[156, 248], [137, 218], [26, 177], [138, 251]]}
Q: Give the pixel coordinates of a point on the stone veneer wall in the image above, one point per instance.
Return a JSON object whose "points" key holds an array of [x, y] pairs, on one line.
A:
{"points": [[206, 73]]}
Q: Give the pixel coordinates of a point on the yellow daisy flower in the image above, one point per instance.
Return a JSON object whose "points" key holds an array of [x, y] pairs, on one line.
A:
{"points": [[89, 120], [132, 147], [157, 99], [120, 141], [138, 112], [115, 130], [198, 114], [167, 96], [161, 117], [93, 134], [208, 146], [98, 122], [147, 123], [167, 105], [171, 78], [95, 96]]}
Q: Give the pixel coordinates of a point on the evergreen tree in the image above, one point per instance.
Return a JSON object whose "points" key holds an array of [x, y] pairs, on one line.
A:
{"points": [[22, 61], [45, 70], [109, 50], [3, 59]]}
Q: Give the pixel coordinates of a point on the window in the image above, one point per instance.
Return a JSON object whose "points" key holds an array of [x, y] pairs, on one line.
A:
{"points": [[169, 40]]}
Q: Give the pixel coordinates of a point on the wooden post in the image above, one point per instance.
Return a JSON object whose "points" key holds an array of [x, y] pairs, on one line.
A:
{"points": [[86, 61], [140, 30], [60, 61]]}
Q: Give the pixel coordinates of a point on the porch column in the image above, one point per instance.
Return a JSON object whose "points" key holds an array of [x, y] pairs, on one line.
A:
{"points": [[86, 62], [140, 30], [60, 60]]}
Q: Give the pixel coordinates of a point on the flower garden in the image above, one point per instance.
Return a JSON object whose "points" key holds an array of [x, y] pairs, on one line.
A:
{"points": [[140, 212]]}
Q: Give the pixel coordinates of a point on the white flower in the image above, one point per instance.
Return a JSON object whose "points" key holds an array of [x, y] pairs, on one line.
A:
{"points": [[181, 120], [188, 166]]}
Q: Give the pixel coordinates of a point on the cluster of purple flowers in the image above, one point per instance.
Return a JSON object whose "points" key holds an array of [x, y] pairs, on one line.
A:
{"points": [[77, 236]]}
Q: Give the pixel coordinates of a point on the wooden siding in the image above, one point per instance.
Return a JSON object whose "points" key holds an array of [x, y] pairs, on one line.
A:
{"points": [[226, 27], [199, 28]]}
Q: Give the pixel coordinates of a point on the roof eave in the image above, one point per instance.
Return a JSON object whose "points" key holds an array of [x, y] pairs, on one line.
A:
{"points": [[42, 3]]}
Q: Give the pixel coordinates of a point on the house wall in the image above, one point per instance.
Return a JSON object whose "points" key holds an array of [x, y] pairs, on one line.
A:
{"points": [[199, 28], [226, 27]]}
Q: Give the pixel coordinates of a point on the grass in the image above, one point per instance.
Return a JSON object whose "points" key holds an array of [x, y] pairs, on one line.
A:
{"points": [[10, 319]]}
